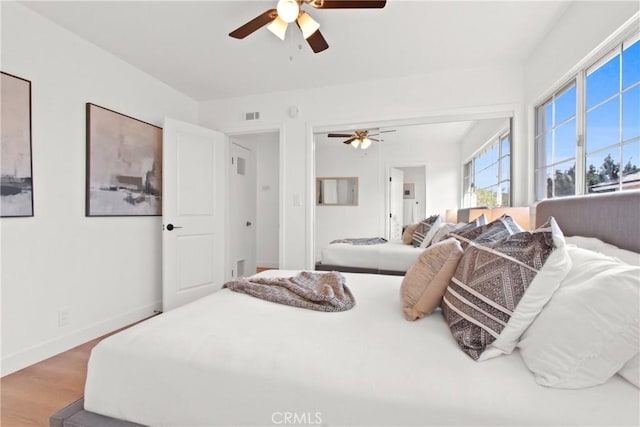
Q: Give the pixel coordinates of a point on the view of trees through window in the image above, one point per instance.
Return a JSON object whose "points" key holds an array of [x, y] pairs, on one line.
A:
{"points": [[611, 116]]}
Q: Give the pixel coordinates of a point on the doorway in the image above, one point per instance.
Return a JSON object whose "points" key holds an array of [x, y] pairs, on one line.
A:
{"points": [[254, 203]]}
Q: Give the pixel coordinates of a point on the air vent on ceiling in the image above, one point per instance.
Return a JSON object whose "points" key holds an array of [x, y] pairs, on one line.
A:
{"points": [[254, 115]]}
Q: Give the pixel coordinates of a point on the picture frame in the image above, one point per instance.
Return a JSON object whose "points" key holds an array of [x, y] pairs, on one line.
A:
{"points": [[409, 190], [124, 165], [16, 164]]}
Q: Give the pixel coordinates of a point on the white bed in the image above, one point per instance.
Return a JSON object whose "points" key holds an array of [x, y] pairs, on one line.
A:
{"points": [[230, 359], [390, 256]]}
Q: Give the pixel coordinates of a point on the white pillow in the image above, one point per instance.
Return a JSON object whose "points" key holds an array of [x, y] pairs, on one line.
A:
{"points": [[598, 245], [541, 289], [589, 329], [631, 371]]}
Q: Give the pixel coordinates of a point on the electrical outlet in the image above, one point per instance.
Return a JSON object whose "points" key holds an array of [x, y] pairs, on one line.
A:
{"points": [[63, 317]]}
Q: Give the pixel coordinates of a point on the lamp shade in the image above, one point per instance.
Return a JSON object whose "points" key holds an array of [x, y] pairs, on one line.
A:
{"points": [[288, 10], [355, 143], [278, 27], [307, 24], [366, 142]]}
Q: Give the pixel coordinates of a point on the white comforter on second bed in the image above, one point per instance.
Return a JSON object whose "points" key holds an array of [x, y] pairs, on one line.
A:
{"points": [[230, 359], [394, 256]]}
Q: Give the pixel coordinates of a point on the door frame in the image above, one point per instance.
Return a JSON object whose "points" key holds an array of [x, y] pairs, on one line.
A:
{"points": [[253, 129], [387, 171]]}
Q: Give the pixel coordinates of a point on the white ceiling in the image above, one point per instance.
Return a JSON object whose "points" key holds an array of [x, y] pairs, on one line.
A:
{"points": [[186, 44]]}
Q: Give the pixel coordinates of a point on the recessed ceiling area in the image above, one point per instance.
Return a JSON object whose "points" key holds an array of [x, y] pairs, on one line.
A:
{"points": [[186, 45]]}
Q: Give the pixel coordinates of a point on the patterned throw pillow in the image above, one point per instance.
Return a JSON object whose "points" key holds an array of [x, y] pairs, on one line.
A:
{"points": [[407, 234], [498, 229], [425, 230], [498, 289]]}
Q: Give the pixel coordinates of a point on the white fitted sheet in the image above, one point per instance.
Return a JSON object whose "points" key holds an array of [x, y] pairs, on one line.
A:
{"points": [[230, 359], [394, 256]]}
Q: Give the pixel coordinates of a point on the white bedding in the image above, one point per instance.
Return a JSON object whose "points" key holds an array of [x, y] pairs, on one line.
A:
{"points": [[394, 256], [230, 359]]}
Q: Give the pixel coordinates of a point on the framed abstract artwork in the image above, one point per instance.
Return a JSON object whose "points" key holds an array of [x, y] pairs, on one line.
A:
{"points": [[409, 190], [124, 165], [16, 180]]}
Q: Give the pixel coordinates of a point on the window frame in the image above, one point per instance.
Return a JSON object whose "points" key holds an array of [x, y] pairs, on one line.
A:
{"points": [[495, 140], [626, 35]]}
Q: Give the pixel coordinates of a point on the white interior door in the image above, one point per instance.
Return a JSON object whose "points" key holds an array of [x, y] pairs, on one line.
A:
{"points": [[396, 203], [243, 208], [192, 212]]}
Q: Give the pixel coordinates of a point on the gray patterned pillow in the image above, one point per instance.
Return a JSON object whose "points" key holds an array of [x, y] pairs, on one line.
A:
{"points": [[496, 230], [422, 230], [492, 279]]}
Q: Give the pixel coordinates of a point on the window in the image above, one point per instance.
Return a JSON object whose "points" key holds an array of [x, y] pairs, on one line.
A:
{"points": [[602, 103], [487, 176]]}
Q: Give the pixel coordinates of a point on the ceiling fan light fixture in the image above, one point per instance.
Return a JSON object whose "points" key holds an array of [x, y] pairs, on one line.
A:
{"points": [[278, 27], [288, 10], [365, 143], [307, 24], [355, 143]]}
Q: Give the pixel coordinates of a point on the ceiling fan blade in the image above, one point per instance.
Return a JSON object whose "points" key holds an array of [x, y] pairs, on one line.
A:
{"points": [[348, 4], [253, 25], [350, 140], [340, 135], [387, 131], [317, 42], [374, 139]]}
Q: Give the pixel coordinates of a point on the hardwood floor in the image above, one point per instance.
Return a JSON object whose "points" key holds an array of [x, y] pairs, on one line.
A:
{"points": [[30, 396]]}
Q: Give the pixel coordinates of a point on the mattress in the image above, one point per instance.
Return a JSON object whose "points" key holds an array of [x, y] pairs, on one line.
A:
{"points": [[394, 256], [230, 359]]}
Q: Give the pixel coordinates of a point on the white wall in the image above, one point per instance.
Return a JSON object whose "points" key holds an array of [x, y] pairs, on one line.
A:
{"points": [[105, 271], [476, 89], [579, 32]]}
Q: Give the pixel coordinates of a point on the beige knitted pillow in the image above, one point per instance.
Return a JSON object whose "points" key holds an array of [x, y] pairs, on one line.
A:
{"points": [[426, 281], [408, 233]]}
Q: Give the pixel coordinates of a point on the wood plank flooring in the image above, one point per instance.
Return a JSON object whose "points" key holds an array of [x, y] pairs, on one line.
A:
{"points": [[30, 396]]}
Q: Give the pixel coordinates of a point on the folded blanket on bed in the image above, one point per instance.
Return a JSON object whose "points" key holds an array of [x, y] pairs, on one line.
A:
{"points": [[362, 241], [315, 291]]}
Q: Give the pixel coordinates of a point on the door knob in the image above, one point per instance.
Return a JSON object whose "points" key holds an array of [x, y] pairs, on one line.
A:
{"points": [[248, 223], [171, 226]]}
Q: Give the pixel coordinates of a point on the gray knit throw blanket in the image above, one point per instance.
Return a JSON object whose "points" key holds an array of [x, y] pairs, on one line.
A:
{"points": [[315, 291]]}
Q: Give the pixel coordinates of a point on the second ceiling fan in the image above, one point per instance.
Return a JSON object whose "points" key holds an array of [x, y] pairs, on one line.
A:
{"points": [[288, 11]]}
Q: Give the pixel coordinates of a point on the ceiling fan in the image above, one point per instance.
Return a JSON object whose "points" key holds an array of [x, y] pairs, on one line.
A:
{"points": [[359, 139], [288, 11]]}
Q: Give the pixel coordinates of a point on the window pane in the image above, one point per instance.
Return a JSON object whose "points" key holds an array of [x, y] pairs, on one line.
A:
{"points": [[564, 179], [505, 188], [631, 163], [505, 149], [487, 177], [487, 158], [544, 118], [505, 164], [565, 142], [565, 105], [487, 197], [603, 82], [603, 171], [631, 113], [603, 125], [544, 191], [544, 147], [631, 65]]}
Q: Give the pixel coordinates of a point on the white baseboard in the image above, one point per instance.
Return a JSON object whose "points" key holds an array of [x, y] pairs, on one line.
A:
{"points": [[267, 264], [37, 353]]}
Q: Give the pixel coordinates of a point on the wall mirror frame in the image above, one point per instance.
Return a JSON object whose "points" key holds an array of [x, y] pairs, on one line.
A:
{"points": [[337, 191]]}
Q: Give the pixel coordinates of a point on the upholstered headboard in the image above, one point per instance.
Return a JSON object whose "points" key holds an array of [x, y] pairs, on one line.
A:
{"points": [[611, 217]]}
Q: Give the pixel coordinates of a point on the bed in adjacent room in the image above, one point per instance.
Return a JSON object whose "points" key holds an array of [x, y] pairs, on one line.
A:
{"points": [[231, 359]]}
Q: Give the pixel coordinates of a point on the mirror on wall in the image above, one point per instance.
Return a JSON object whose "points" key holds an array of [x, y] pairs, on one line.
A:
{"points": [[337, 191]]}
